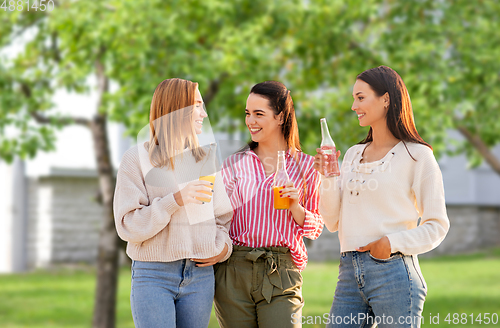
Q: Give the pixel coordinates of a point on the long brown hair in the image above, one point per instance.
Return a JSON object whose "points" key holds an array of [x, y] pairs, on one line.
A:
{"points": [[280, 101], [170, 122], [399, 116]]}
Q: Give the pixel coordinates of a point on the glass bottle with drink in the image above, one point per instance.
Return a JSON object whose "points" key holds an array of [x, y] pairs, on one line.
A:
{"points": [[280, 180], [328, 147]]}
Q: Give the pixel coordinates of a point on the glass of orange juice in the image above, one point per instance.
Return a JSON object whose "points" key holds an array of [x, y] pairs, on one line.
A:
{"points": [[209, 178]]}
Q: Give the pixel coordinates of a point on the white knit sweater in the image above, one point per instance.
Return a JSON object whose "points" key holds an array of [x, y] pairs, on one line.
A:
{"points": [[156, 227], [386, 198]]}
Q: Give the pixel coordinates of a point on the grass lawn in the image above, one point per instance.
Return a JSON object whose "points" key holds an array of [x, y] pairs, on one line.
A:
{"points": [[63, 298]]}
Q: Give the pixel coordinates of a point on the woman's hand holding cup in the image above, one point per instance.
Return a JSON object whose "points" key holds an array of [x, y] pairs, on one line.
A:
{"points": [[193, 191]]}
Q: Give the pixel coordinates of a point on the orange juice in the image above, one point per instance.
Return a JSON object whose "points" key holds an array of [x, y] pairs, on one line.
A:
{"points": [[210, 178], [280, 203]]}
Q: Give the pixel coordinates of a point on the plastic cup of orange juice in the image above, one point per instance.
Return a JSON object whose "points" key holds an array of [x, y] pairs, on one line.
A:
{"points": [[209, 178], [280, 203]]}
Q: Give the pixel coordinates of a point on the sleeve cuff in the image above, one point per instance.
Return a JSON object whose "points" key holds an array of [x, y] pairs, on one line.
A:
{"points": [[395, 243], [170, 204], [225, 239], [229, 251], [312, 226], [308, 224]]}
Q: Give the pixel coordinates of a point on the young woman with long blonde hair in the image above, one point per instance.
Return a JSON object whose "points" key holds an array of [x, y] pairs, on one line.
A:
{"points": [[174, 238]]}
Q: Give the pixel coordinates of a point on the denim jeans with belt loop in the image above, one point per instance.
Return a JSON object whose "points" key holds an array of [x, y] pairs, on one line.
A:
{"points": [[384, 292], [171, 294]]}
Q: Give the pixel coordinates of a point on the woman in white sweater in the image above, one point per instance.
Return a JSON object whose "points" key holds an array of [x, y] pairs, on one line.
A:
{"points": [[388, 205], [173, 237]]}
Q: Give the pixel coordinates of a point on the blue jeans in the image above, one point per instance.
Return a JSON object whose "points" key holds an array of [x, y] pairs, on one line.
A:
{"points": [[171, 294], [372, 291]]}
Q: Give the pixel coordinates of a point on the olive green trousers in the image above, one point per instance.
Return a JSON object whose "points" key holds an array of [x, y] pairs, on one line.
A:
{"points": [[258, 287]]}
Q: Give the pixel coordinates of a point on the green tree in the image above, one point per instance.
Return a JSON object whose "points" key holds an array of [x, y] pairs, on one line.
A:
{"points": [[449, 56], [447, 53]]}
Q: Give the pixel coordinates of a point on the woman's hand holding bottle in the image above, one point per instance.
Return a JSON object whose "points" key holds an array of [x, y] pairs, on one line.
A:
{"points": [[321, 160], [331, 167], [291, 193]]}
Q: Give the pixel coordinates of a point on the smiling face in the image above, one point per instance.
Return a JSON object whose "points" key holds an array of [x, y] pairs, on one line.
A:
{"points": [[371, 108], [263, 124], [198, 112]]}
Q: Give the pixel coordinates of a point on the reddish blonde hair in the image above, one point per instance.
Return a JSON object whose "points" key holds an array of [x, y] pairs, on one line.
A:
{"points": [[170, 122]]}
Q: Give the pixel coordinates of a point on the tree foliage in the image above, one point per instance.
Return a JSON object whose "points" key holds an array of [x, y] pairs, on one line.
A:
{"points": [[446, 52]]}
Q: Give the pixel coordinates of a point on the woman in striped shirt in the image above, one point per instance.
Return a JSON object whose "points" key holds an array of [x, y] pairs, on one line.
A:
{"points": [[260, 284]]}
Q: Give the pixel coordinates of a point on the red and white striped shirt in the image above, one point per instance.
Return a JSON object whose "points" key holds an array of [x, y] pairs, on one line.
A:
{"points": [[255, 222]]}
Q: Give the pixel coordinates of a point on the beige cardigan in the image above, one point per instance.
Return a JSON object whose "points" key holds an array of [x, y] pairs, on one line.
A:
{"points": [[158, 229]]}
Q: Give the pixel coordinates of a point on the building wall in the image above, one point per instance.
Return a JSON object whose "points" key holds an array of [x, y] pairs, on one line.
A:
{"points": [[64, 220]]}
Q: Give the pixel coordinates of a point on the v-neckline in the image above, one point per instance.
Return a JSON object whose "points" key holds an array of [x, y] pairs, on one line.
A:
{"points": [[379, 160], [262, 165]]}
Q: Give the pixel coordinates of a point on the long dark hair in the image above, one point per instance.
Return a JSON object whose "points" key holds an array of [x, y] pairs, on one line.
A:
{"points": [[280, 101], [399, 116]]}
